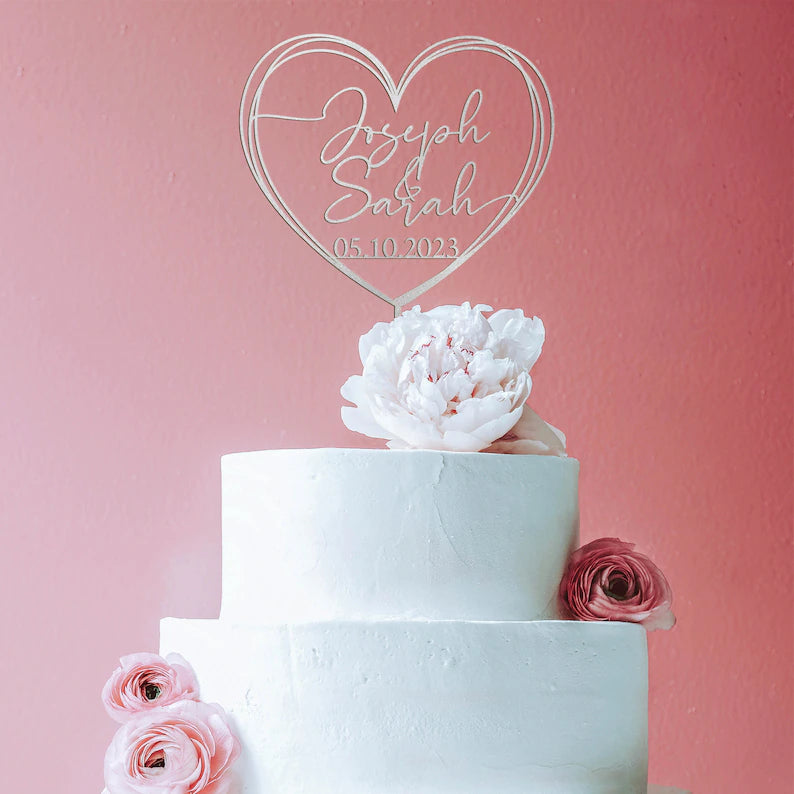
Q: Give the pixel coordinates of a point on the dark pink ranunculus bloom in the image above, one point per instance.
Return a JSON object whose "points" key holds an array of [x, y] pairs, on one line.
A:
{"points": [[147, 681], [185, 748], [608, 580]]}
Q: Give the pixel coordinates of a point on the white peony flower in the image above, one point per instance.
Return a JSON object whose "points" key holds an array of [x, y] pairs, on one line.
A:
{"points": [[449, 378]]}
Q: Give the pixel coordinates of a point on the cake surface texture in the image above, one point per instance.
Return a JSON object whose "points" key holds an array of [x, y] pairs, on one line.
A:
{"points": [[519, 707], [390, 624], [347, 534]]}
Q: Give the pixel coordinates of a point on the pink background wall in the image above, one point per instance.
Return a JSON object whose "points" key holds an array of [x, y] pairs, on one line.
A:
{"points": [[155, 313]]}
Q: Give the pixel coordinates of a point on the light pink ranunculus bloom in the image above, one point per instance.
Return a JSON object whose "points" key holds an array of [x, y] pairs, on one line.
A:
{"points": [[608, 580], [448, 379], [185, 748], [146, 681]]}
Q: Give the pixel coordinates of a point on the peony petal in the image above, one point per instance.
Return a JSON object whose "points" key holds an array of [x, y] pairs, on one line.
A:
{"points": [[474, 414], [359, 419], [399, 423], [484, 368], [518, 337], [455, 441], [376, 336], [530, 435]]}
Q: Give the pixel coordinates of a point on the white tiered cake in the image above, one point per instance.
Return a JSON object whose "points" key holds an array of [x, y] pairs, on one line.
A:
{"points": [[389, 624]]}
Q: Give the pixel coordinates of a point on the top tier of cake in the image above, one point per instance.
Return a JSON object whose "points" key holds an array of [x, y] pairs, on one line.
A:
{"points": [[321, 534]]}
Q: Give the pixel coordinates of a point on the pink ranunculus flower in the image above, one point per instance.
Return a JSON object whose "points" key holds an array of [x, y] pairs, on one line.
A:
{"points": [[608, 580], [448, 379], [146, 681], [185, 748]]}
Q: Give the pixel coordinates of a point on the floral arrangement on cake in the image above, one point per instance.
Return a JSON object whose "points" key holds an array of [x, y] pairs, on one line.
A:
{"points": [[169, 742], [451, 379], [608, 580], [455, 379]]}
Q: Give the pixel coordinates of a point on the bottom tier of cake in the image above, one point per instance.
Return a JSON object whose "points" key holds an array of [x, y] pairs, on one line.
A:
{"points": [[428, 707]]}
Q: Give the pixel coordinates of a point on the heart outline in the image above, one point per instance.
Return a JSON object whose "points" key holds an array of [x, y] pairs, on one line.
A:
{"points": [[295, 47]]}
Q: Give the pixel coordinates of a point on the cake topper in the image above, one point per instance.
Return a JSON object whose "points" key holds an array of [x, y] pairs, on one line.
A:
{"points": [[410, 184]]}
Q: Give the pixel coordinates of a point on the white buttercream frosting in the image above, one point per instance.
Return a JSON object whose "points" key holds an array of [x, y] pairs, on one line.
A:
{"points": [[349, 534], [380, 630], [546, 707]]}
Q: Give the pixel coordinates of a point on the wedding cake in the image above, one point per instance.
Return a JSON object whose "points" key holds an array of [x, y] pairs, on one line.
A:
{"points": [[389, 625], [419, 619]]}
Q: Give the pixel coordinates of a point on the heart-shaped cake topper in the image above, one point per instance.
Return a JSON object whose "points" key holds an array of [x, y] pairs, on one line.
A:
{"points": [[285, 118]]}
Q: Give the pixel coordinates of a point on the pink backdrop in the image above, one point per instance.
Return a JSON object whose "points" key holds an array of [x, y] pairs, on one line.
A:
{"points": [[155, 313]]}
